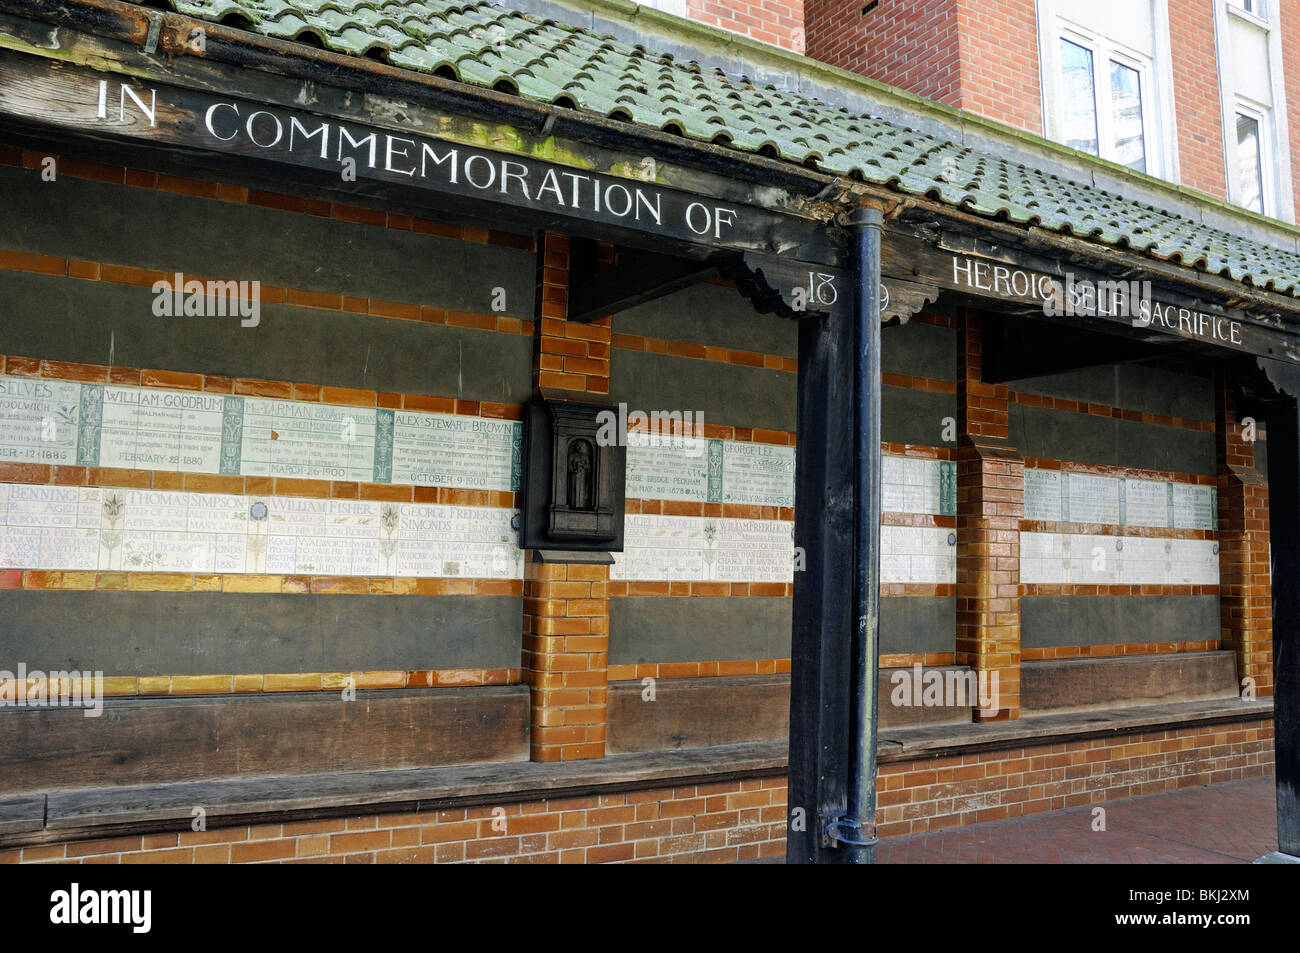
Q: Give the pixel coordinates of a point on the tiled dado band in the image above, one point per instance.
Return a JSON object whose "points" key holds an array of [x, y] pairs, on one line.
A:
{"points": [[159, 685], [1099, 530], [762, 471], [623, 673], [1058, 491], [64, 415], [296, 584], [107, 418]]}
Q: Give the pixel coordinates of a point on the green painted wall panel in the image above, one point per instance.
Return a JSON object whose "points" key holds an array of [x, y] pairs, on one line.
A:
{"points": [[197, 633], [98, 323], [1049, 621], [149, 228]]}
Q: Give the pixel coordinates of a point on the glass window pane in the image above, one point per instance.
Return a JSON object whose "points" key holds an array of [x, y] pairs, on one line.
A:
{"points": [[1126, 116], [1080, 97], [1250, 166]]}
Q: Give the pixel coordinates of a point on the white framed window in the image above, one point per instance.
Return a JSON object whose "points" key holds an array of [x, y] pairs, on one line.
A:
{"points": [[1252, 89], [1256, 8], [675, 7], [1105, 103], [1251, 152], [1106, 81]]}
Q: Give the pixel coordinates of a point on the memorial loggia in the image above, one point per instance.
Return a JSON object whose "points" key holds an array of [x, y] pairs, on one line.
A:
{"points": [[939, 364]]}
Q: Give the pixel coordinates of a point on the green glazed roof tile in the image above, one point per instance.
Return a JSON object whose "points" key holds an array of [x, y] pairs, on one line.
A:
{"points": [[487, 45]]}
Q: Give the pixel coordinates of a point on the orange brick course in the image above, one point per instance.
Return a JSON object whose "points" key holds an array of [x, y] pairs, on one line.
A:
{"points": [[1107, 410], [770, 666], [152, 685], [1108, 651], [620, 588], [701, 352]]}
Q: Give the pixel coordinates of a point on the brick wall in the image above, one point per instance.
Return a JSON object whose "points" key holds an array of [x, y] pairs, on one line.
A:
{"points": [[999, 62], [570, 356], [1196, 96], [717, 822], [1245, 599], [565, 658], [977, 56], [984, 57], [910, 45], [566, 606], [771, 21], [990, 504], [1290, 16]]}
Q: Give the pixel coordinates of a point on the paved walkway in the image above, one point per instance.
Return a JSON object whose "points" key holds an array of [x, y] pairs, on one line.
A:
{"points": [[1232, 822]]}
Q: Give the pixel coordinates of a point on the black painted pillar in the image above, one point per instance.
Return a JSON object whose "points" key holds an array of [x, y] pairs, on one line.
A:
{"points": [[836, 609], [1284, 526]]}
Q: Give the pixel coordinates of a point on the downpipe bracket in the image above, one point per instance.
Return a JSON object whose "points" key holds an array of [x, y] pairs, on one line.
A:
{"points": [[844, 830]]}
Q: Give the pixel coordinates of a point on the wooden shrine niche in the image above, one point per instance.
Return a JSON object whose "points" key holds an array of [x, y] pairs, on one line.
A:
{"points": [[573, 483]]}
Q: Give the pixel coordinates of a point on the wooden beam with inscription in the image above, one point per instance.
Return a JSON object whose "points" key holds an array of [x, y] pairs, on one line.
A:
{"points": [[354, 157], [1007, 279]]}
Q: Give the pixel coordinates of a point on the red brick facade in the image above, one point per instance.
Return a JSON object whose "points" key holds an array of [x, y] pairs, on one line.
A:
{"points": [[999, 62], [1290, 11], [1196, 97], [910, 45], [976, 56], [769, 21]]}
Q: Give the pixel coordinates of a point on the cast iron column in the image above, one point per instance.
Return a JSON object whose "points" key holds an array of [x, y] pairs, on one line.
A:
{"points": [[1284, 523], [832, 800], [857, 831]]}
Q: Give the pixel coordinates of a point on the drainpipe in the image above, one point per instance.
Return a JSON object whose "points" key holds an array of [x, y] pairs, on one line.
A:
{"points": [[855, 831]]}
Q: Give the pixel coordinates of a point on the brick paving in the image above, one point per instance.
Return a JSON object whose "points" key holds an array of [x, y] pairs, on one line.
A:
{"points": [[1230, 822]]}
